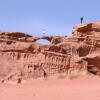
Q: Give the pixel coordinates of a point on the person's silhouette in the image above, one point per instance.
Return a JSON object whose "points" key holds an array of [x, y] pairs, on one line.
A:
{"points": [[81, 18]]}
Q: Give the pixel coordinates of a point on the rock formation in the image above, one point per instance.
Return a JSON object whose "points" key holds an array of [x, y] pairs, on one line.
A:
{"points": [[22, 58]]}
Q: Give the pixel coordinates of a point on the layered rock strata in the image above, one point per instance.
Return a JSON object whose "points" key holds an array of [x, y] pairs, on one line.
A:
{"points": [[22, 58]]}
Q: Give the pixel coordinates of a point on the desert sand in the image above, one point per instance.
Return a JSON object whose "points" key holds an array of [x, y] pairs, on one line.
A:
{"points": [[84, 88]]}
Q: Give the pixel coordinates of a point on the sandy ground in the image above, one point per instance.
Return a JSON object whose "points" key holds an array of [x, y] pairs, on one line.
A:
{"points": [[84, 88]]}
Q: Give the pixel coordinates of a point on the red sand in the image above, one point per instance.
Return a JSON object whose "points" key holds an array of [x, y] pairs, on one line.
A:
{"points": [[85, 88]]}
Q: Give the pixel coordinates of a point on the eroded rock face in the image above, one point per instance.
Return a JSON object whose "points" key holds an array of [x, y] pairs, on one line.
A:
{"points": [[22, 58]]}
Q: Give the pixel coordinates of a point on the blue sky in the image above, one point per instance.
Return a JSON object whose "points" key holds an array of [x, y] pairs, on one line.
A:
{"points": [[55, 17]]}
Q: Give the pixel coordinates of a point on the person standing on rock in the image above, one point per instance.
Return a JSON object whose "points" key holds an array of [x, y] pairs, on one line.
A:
{"points": [[44, 32], [81, 18]]}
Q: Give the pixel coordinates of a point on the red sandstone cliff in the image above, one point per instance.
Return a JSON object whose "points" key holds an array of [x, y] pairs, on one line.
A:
{"points": [[22, 58]]}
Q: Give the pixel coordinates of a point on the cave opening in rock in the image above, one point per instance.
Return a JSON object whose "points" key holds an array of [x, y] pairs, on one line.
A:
{"points": [[43, 41]]}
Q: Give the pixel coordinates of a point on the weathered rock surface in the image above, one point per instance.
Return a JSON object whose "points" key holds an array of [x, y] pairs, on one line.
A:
{"points": [[22, 58]]}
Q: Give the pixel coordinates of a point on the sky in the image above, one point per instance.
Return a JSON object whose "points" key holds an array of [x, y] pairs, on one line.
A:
{"points": [[54, 17]]}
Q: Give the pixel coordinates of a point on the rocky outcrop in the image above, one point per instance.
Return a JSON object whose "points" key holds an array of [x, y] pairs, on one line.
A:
{"points": [[22, 58]]}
